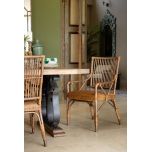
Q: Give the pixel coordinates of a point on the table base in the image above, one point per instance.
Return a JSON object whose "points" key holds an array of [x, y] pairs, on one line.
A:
{"points": [[54, 132]]}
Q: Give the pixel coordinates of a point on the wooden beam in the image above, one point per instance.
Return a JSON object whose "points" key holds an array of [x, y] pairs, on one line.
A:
{"points": [[80, 39]]}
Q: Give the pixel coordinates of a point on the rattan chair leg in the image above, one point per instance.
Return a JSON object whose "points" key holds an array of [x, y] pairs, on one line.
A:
{"points": [[68, 111], [42, 129], [32, 122], [117, 111], [91, 110], [95, 116]]}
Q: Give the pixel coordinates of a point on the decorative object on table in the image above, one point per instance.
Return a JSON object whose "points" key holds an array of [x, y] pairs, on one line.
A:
{"points": [[51, 62], [28, 53], [30, 47], [28, 44], [26, 38], [37, 48]]}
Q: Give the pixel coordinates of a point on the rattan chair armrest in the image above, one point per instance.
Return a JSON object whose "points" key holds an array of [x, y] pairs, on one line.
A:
{"points": [[72, 82]]}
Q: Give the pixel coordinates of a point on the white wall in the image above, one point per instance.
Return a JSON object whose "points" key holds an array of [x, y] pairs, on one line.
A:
{"points": [[119, 9]]}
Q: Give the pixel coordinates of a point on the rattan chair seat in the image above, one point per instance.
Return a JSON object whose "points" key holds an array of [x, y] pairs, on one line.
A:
{"points": [[31, 106], [84, 95]]}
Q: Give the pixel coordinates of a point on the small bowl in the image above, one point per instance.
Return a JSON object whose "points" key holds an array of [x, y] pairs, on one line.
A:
{"points": [[46, 61]]}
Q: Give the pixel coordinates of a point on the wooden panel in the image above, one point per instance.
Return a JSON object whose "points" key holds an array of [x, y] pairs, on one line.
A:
{"points": [[74, 12], [83, 12], [74, 9], [83, 47], [74, 48]]}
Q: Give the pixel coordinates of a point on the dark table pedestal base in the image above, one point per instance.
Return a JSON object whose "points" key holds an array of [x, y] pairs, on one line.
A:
{"points": [[50, 106], [54, 132]]}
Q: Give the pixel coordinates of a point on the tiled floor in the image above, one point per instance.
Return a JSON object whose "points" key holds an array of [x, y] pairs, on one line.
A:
{"points": [[80, 136]]}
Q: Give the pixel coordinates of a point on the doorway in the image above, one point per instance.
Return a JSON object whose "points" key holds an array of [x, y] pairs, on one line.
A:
{"points": [[74, 35]]}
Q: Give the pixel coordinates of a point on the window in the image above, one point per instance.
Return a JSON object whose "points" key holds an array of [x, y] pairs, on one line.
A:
{"points": [[27, 18]]}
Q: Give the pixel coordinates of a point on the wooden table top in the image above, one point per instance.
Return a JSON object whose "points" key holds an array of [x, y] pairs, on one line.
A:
{"points": [[59, 71]]}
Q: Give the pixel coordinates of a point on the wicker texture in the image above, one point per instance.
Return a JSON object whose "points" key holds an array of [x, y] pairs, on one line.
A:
{"points": [[33, 78], [102, 80], [83, 95]]}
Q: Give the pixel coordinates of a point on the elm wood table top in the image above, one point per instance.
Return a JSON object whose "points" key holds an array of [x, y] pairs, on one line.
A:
{"points": [[59, 71]]}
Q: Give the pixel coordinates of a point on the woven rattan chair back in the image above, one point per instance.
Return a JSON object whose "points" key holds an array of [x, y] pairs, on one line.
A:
{"points": [[33, 79], [104, 69]]}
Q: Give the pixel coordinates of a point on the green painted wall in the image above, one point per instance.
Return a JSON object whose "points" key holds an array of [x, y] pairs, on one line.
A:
{"points": [[46, 25]]}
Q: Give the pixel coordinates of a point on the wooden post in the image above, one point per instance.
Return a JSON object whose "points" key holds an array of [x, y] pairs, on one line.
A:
{"points": [[80, 39]]}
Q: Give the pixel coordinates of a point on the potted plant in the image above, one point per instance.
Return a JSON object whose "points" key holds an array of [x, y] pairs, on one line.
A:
{"points": [[27, 45]]}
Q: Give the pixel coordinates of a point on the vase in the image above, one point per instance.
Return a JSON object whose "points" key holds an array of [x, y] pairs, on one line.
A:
{"points": [[37, 48]]}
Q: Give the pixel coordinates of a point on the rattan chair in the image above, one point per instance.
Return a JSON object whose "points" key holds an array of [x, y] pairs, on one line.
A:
{"points": [[33, 78], [102, 87]]}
